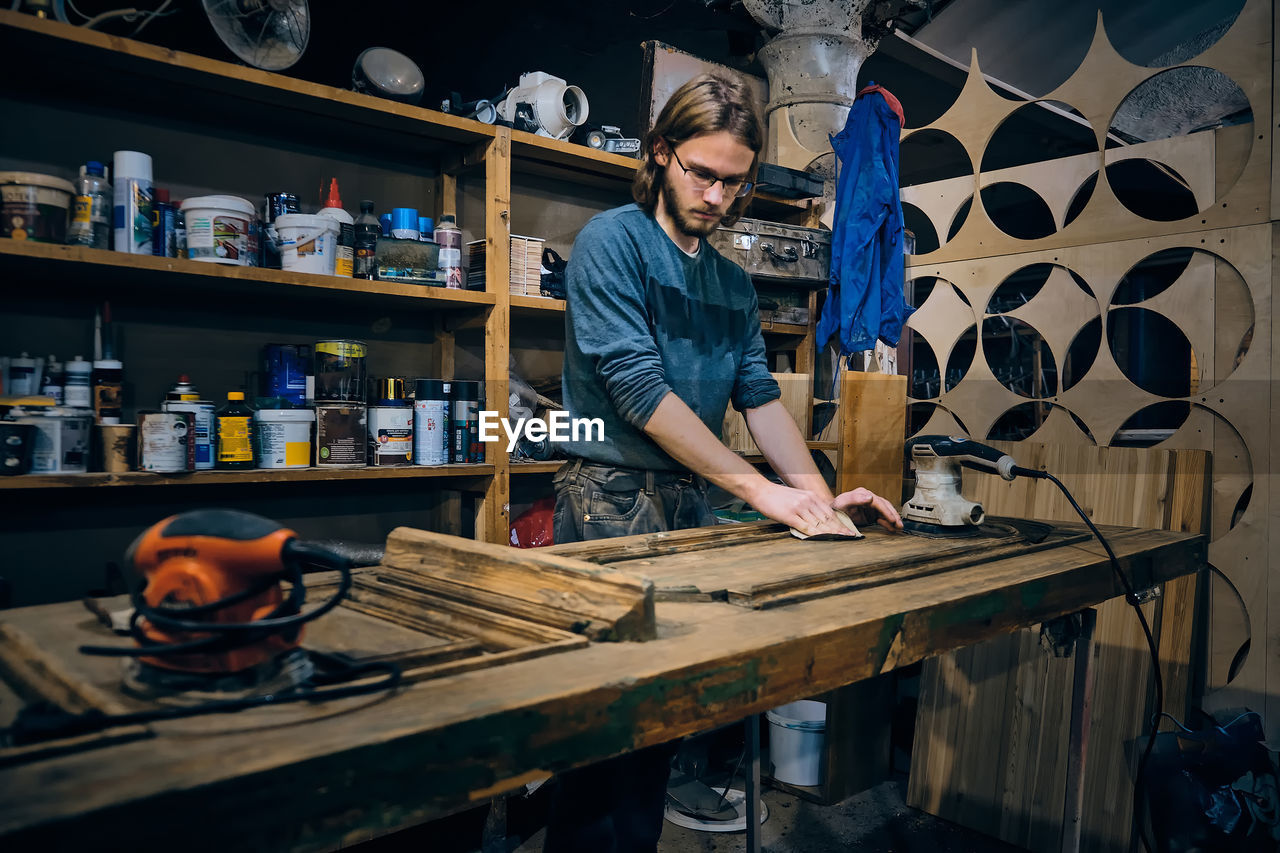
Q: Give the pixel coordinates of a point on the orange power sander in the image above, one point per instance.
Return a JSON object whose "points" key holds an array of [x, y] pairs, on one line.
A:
{"points": [[211, 616]]}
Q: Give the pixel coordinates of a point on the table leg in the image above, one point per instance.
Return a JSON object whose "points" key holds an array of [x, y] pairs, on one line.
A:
{"points": [[1081, 698], [753, 783]]}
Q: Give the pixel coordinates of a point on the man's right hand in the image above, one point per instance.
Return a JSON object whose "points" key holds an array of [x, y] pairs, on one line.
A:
{"points": [[810, 514]]}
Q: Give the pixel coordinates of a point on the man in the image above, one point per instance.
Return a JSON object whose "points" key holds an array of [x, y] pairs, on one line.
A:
{"points": [[661, 334]]}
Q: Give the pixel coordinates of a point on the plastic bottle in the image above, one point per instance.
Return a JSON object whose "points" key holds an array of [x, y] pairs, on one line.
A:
{"points": [[343, 261], [108, 390], [77, 390], [449, 236], [23, 379], [131, 209], [404, 223], [91, 218], [234, 437], [367, 232], [52, 385]]}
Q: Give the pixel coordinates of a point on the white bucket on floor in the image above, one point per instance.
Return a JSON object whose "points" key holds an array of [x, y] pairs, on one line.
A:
{"points": [[797, 741]]}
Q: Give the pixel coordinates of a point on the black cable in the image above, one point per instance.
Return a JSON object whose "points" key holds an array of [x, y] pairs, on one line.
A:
{"points": [[1139, 784]]}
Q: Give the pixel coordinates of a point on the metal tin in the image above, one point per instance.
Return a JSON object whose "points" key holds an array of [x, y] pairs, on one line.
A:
{"points": [[340, 371], [391, 391], [465, 422], [431, 423], [62, 439], [166, 442], [341, 438], [202, 428], [771, 250], [390, 436], [284, 437]]}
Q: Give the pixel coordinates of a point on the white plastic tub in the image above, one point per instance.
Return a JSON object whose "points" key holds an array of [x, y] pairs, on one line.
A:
{"points": [[284, 437], [797, 740], [221, 229], [307, 243]]}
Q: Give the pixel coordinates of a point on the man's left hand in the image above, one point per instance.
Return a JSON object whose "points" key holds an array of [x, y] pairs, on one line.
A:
{"points": [[864, 507]]}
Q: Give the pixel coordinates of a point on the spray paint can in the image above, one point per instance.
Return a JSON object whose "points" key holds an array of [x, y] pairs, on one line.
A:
{"points": [[431, 422], [131, 207], [201, 412], [449, 236], [164, 226], [465, 422], [165, 444], [52, 384]]}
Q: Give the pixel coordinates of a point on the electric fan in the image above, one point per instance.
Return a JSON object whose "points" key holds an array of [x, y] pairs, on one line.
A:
{"points": [[267, 34]]}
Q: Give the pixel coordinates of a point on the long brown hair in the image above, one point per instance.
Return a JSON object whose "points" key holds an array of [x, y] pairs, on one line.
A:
{"points": [[706, 104]]}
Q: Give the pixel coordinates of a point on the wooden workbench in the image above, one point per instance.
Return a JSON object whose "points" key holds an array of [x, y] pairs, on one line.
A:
{"points": [[314, 778]]}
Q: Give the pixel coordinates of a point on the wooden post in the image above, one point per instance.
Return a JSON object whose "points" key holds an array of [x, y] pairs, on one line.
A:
{"points": [[873, 427], [493, 510]]}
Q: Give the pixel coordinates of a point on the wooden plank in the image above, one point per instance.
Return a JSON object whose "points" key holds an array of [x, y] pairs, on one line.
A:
{"points": [[493, 510], [36, 675], [873, 429], [622, 548], [797, 397], [601, 603], [356, 768], [467, 477]]}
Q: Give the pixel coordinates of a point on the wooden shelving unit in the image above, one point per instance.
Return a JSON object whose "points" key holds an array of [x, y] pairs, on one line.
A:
{"points": [[198, 479]]}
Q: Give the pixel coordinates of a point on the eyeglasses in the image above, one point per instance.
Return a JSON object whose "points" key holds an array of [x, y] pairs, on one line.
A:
{"points": [[703, 181]]}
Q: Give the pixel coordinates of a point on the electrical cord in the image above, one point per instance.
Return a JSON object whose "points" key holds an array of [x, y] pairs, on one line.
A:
{"points": [[46, 721], [1130, 595]]}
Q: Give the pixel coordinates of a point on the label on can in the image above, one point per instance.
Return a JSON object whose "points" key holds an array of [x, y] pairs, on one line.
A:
{"points": [[165, 443], [233, 444], [431, 432], [343, 349], [201, 428], [390, 435], [465, 425], [218, 237], [341, 438], [61, 443]]}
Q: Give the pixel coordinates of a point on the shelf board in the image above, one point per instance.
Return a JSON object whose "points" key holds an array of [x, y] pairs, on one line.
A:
{"points": [[99, 267], [82, 64], [131, 479], [549, 466], [536, 305], [756, 458], [771, 328]]}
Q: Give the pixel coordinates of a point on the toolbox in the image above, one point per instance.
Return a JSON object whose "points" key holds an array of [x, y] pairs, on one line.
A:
{"points": [[771, 250]]}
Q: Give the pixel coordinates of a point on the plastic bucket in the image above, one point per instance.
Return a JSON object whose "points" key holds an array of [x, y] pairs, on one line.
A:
{"points": [[797, 737], [34, 207], [221, 229], [284, 437], [307, 243]]}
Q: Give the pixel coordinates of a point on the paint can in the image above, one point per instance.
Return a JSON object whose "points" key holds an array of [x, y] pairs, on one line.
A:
{"points": [[431, 422], [284, 437], [62, 438], [306, 242], [390, 436], [284, 372], [166, 442], [201, 427], [221, 229], [275, 204], [341, 437], [465, 422], [340, 371], [34, 206]]}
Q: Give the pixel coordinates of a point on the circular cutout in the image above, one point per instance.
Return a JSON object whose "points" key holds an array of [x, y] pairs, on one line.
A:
{"points": [[957, 221], [1152, 275], [1018, 211], [1019, 288], [1082, 353], [926, 380], [929, 156], [961, 357], [924, 237], [943, 420], [1160, 43], [1080, 199], [1190, 131], [1019, 357], [1020, 422], [919, 290], [1152, 425], [1035, 133], [1151, 351]]}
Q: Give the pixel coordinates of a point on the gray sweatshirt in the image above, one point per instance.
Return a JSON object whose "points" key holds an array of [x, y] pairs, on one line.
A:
{"points": [[644, 318]]}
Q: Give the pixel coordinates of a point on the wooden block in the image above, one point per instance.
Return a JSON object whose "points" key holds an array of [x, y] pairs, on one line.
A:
{"points": [[601, 603], [797, 397], [873, 426]]}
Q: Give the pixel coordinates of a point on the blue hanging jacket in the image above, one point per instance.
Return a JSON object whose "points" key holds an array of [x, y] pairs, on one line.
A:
{"points": [[865, 301]]}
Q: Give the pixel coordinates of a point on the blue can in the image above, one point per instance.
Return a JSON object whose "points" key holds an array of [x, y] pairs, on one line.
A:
{"points": [[284, 372]]}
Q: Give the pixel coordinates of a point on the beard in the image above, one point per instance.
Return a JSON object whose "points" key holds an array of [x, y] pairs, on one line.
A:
{"points": [[684, 221]]}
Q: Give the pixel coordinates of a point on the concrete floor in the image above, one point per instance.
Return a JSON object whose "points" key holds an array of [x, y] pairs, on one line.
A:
{"points": [[875, 821]]}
